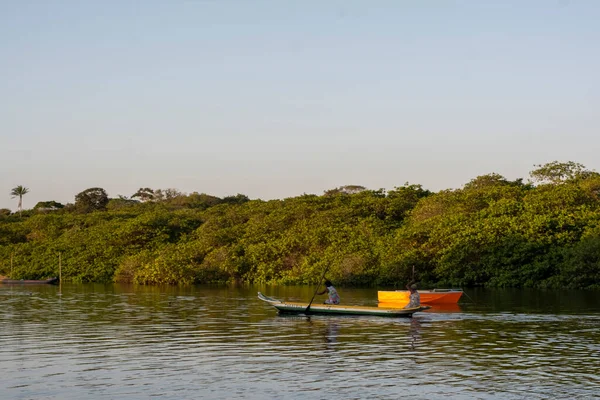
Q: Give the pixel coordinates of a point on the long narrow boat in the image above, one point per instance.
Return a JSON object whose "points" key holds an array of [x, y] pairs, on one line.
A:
{"points": [[337, 309], [435, 296], [28, 281]]}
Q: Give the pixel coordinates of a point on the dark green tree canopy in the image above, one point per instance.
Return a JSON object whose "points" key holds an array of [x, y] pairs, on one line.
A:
{"points": [[347, 189], [237, 199], [48, 205], [144, 194], [93, 199]]}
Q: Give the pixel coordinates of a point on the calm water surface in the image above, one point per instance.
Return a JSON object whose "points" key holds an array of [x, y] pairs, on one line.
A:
{"points": [[125, 342]]}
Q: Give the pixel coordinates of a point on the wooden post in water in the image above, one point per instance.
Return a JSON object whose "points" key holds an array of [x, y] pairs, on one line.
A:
{"points": [[59, 274]]}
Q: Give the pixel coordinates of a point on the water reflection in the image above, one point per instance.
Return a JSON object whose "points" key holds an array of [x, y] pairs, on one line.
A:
{"points": [[435, 308], [414, 331], [116, 341], [331, 332], [445, 308]]}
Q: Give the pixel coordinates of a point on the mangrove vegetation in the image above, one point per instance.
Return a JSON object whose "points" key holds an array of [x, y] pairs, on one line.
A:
{"points": [[493, 232]]}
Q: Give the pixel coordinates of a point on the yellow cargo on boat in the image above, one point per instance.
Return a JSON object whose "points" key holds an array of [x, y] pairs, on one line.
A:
{"points": [[435, 296]]}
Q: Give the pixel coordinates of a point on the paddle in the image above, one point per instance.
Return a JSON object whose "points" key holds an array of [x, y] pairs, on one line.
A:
{"points": [[311, 300]]}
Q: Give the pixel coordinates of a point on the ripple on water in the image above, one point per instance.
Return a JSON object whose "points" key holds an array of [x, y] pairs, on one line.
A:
{"points": [[192, 345]]}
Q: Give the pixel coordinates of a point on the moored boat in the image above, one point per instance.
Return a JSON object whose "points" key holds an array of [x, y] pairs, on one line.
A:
{"points": [[338, 309], [28, 281], [435, 296], [435, 308]]}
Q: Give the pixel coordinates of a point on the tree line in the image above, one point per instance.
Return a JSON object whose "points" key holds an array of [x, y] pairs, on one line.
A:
{"points": [[494, 232]]}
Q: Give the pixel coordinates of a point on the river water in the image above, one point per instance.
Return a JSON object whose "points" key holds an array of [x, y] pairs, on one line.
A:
{"points": [[127, 342]]}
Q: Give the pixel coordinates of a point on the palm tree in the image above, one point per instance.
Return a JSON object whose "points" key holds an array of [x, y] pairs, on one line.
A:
{"points": [[19, 192]]}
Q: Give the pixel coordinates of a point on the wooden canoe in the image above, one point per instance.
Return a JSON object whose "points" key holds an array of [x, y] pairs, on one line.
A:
{"points": [[28, 281], [435, 296], [338, 309]]}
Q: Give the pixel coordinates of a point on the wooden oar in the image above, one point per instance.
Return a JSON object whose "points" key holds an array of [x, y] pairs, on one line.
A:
{"points": [[311, 300]]}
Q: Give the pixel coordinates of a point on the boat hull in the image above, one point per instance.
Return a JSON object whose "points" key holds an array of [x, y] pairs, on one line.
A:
{"points": [[28, 281], [427, 296], [337, 309]]}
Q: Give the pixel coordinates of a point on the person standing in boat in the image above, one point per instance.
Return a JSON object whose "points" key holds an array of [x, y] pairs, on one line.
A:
{"points": [[334, 297], [415, 298]]}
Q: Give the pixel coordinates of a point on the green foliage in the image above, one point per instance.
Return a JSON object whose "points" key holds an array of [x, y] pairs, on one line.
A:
{"points": [[557, 172], [402, 200], [144, 194], [581, 265], [237, 199], [347, 189], [200, 201], [492, 232], [121, 203], [93, 199], [19, 191], [48, 205]]}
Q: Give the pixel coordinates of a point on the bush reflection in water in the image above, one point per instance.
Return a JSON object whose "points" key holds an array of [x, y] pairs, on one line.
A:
{"points": [[204, 342]]}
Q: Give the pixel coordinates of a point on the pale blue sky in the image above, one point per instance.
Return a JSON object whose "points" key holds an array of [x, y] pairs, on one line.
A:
{"points": [[274, 99]]}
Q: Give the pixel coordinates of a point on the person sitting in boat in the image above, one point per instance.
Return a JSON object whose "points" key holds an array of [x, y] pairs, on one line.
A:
{"points": [[415, 298], [334, 297]]}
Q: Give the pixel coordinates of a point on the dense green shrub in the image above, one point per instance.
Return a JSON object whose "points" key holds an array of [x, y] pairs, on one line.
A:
{"points": [[491, 232]]}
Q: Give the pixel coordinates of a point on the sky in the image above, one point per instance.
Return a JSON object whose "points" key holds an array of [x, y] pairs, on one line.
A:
{"points": [[274, 99]]}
